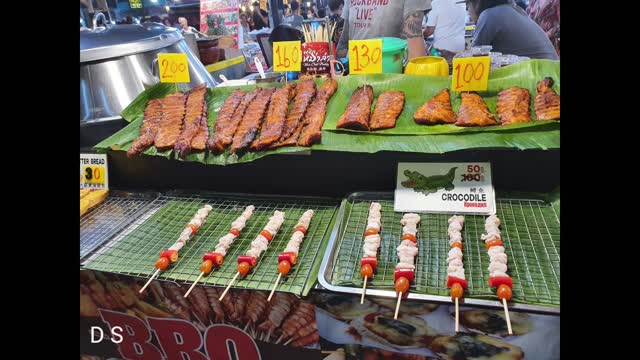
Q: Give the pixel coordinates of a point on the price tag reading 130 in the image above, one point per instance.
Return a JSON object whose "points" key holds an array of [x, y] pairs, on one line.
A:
{"points": [[286, 56], [470, 74], [365, 56], [174, 68]]}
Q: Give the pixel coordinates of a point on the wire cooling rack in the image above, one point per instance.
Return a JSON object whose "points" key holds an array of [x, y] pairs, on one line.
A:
{"points": [[103, 222], [135, 251], [530, 231]]}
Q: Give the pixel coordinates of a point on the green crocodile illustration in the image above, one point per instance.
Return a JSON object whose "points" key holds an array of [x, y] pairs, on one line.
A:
{"points": [[430, 184]]}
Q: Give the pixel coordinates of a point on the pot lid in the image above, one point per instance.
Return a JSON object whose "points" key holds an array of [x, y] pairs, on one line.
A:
{"points": [[122, 40]]}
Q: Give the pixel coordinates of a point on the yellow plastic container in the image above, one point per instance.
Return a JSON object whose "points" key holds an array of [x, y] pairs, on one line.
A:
{"points": [[427, 65]]}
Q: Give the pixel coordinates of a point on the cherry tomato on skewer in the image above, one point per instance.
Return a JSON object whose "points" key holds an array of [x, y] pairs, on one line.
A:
{"points": [[162, 263], [504, 292], [243, 268], [206, 267], [366, 270], [402, 285], [284, 267], [456, 291]]}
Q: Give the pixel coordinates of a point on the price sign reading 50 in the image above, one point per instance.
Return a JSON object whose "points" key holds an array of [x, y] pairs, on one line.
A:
{"points": [[174, 68], [470, 74], [365, 56], [286, 56]]}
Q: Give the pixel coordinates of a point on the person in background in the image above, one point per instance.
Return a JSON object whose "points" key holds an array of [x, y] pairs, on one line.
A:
{"points": [[295, 19], [167, 22], [508, 29], [336, 6], [260, 17], [185, 28], [244, 24], [311, 13], [397, 18], [546, 13], [446, 21]]}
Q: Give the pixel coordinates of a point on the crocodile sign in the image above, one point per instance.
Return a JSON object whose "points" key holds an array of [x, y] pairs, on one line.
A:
{"points": [[445, 188]]}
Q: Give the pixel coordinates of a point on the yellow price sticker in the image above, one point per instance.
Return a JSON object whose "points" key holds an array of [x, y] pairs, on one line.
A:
{"points": [[470, 74], [94, 174], [174, 68], [365, 56], [286, 56]]}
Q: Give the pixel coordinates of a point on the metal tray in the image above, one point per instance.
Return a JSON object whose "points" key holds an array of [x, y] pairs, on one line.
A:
{"points": [[107, 219], [530, 229]]}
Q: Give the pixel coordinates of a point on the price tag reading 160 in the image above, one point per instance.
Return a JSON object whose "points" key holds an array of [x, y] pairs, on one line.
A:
{"points": [[470, 74], [286, 56], [174, 68], [365, 56]]}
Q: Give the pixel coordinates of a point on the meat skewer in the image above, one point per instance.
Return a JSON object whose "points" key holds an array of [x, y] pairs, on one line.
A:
{"points": [[369, 262], [228, 120], [474, 112], [316, 113], [278, 310], [256, 306], [171, 255], [498, 277], [455, 270], [216, 306], [407, 251], [224, 243], [170, 125], [303, 314], [513, 106], [192, 119], [547, 101], [199, 141], [307, 335], [245, 262], [356, 115], [387, 110], [251, 121], [437, 110], [200, 305], [276, 116], [295, 119], [289, 257], [149, 128]]}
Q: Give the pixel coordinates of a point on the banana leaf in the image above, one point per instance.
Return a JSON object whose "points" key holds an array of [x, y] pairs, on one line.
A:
{"points": [[419, 89]]}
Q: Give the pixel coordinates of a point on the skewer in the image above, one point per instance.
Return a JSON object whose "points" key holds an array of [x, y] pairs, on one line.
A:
{"points": [[193, 285], [457, 316], [288, 341], [506, 314], [274, 287], [149, 281], [269, 334], [395, 316], [279, 339], [229, 286], [364, 288], [246, 327]]}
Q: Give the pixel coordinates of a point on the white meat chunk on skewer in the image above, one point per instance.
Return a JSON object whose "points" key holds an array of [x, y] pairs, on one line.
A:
{"points": [[375, 207], [407, 250], [454, 226], [221, 250], [370, 250], [177, 246], [373, 226], [501, 258], [459, 273], [498, 273], [457, 218], [497, 266], [456, 262], [405, 265], [410, 229], [372, 239], [493, 219], [495, 250], [455, 238], [410, 218], [305, 219]]}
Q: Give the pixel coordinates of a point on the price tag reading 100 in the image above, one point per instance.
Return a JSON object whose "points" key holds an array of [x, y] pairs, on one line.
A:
{"points": [[286, 56], [174, 68], [470, 74], [365, 56]]}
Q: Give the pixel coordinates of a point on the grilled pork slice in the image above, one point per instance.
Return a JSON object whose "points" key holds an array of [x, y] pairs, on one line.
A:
{"points": [[192, 119], [276, 116], [474, 112], [173, 110], [513, 106], [304, 94], [356, 115], [199, 141], [437, 110], [315, 116], [547, 101], [387, 110], [252, 120], [223, 129], [149, 128]]}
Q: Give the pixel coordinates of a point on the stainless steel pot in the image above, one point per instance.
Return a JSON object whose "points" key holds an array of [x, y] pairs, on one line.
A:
{"points": [[118, 62]]}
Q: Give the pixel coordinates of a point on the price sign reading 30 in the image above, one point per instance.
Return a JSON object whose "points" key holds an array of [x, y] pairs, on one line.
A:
{"points": [[365, 56], [470, 74], [286, 56], [174, 68]]}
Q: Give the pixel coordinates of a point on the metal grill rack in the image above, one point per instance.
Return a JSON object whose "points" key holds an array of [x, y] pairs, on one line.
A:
{"points": [[135, 251], [530, 231], [107, 219]]}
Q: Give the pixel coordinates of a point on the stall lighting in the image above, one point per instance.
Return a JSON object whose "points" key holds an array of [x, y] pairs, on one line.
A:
{"points": [[154, 1], [308, 4], [244, 8], [251, 8], [167, 8]]}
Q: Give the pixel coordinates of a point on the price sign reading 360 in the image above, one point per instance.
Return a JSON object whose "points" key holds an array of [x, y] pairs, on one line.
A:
{"points": [[365, 56], [174, 68], [470, 74], [286, 56]]}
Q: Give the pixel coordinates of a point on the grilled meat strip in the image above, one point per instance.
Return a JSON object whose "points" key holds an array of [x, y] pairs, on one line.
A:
{"points": [[192, 119], [200, 304], [513, 106], [256, 306], [226, 123], [356, 115], [436, 110], [547, 101], [216, 306], [242, 299], [304, 94], [278, 309], [315, 116], [303, 315], [199, 141], [170, 126], [474, 112], [276, 116], [387, 110], [149, 128], [252, 120], [312, 338]]}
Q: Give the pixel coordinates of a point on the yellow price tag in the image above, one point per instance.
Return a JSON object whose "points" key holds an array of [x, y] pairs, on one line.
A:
{"points": [[174, 68], [286, 56], [94, 174], [470, 74], [365, 56]]}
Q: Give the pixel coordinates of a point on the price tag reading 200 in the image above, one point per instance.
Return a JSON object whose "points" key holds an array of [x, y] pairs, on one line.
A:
{"points": [[286, 56], [365, 56], [470, 74], [174, 68]]}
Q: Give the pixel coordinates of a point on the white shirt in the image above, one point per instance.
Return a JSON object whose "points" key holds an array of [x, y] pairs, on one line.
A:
{"points": [[449, 21]]}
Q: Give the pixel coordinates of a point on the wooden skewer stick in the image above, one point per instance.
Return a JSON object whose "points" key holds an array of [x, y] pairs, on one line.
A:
{"points": [[193, 285], [228, 286], [274, 287], [279, 339], [288, 341], [364, 288], [506, 314], [149, 281], [457, 317], [269, 334], [395, 316]]}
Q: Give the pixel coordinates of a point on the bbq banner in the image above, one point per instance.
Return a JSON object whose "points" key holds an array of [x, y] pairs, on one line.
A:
{"points": [[315, 58], [220, 18], [116, 321]]}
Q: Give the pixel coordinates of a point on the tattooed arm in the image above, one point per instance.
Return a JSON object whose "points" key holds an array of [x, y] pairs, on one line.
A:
{"points": [[412, 31]]}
